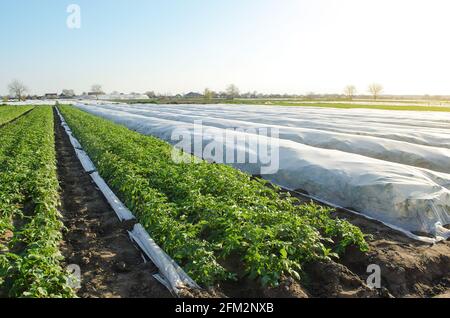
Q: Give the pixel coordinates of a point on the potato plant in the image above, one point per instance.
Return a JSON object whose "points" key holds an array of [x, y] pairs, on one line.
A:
{"points": [[204, 215], [30, 260], [8, 113]]}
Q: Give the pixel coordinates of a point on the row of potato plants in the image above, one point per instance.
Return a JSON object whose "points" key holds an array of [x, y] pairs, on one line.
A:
{"points": [[8, 113], [207, 216], [30, 226]]}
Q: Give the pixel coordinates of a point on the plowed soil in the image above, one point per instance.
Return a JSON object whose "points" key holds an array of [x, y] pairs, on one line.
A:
{"points": [[409, 268]]}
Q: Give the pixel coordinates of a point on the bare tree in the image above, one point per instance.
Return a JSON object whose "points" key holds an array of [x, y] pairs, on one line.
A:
{"points": [[311, 95], [208, 94], [375, 89], [17, 89], [150, 94], [350, 91], [68, 92], [97, 90], [232, 91]]}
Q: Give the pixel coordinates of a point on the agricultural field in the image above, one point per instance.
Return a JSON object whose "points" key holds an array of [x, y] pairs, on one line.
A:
{"points": [[233, 231], [203, 214], [375, 162], [145, 155], [403, 148]]}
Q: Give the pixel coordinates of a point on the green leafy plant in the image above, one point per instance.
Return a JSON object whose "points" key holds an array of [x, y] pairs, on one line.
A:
{"points": [[8, 113], [30, 260]]}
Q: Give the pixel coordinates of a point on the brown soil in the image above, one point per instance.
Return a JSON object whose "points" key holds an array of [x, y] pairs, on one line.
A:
{"points": [[111, 266], [408, 268]]}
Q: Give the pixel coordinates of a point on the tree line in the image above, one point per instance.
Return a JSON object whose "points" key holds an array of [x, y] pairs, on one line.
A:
{"points": [[18, 90], [374, 89]]}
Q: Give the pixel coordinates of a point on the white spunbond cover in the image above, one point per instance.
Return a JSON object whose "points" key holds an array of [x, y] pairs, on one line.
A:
{"points": [[174, 276], [406, 197], [86, 162], [425, 128], [428, 157], [121, 210], [74, 142]]}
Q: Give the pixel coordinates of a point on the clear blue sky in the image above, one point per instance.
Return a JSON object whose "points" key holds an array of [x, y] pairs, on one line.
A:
{"points": [[293, 46]]}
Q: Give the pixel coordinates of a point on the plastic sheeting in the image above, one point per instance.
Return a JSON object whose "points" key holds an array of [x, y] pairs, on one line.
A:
{"points": [[401, 195], [427, 128], [173, 275], [433, 158]]}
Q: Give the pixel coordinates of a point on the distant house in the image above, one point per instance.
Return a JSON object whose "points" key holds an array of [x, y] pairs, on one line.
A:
{"points": [[51, 96], [95, 94], [193, 95]]}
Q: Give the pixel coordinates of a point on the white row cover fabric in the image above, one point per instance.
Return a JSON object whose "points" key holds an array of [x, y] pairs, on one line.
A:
{"points": [[121, 210], [174, 276], [86, 162], [417, 155], [427, 128], [404, 196]]}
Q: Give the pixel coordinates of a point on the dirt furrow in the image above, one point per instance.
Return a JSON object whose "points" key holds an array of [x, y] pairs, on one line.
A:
{"points": [[95, 240]]}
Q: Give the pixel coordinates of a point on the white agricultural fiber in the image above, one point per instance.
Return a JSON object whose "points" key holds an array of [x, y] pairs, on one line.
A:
{"points": [[372, 167]]}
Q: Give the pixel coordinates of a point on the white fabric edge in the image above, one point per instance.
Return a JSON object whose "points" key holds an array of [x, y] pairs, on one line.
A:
{"points": [[164, 282], [173, 274], [440, 235], [86, 162], [121, 210]]}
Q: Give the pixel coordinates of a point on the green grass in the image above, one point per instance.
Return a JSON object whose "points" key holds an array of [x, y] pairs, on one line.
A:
{"points": [[292, 103], [360, 106], [204, 214]]}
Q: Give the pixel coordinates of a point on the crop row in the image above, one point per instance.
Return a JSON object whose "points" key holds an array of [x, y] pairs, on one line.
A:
{"points": [[216, 222], [8, 113], [30, 226]]}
